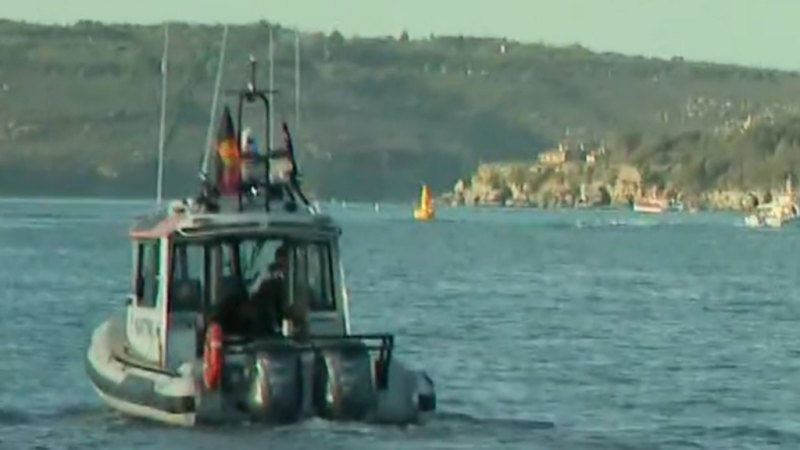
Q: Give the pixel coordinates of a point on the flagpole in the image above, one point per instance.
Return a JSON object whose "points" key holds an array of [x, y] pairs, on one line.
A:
{"points": [[214, 101], [161, 132], [271, 89]]}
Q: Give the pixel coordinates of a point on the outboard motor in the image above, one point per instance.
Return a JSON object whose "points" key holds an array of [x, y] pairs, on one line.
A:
{"points": [[343, 387], [274, 385]]}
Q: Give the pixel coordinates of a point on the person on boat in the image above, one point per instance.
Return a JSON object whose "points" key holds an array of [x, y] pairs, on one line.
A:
{"points": [[250, 153], [268, 295], [276, 269]]}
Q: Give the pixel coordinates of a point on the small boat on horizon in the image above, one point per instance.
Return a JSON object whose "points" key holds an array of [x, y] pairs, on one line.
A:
{"points": [[656, 204], [425, 209], [648, 205], [775, 214]]}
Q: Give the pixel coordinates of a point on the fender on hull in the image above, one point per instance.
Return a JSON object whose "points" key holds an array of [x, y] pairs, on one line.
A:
{"points": [[408, 398], [136, 391], [145, 412]]}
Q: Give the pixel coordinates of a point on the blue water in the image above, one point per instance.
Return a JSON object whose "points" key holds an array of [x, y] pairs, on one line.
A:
{"points": [[542, 330]]}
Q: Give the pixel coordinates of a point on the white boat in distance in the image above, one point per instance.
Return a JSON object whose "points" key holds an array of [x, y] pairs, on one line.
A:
{"points": [[777, 213]]}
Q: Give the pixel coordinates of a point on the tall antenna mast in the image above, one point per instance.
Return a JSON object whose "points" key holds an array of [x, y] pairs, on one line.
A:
{"points": [[271, 89], [161, 132], [297, 79], [214, 100]]}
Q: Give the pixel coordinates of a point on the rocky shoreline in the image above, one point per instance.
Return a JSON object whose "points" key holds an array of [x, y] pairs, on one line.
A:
{"points": [[572, 186]]}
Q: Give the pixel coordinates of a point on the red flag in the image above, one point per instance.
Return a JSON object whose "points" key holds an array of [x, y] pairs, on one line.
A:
{"points": [[229, 160]]}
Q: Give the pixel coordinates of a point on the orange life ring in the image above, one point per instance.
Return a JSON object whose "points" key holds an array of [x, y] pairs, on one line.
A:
{"points": [[212, 355]]}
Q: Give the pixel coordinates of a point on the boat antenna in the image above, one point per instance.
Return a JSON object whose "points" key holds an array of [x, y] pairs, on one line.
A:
{"points": [[214, 101], [161, 131], [297, 79], [271, 88]]}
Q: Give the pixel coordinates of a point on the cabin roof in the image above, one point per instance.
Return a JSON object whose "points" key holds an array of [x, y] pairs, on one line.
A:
{"points": [[186, 223]]}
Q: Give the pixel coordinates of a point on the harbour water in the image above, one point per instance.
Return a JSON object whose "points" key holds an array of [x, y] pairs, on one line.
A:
{"points": [[541, 329]]}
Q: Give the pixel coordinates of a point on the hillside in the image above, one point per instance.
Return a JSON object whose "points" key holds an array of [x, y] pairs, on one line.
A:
{"points": [[79, 105], [704, 169]]}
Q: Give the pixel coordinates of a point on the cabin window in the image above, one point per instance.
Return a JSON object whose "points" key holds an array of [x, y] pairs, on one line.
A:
{"points": [[223, 258], [312, 276], [230, 260], [187, 288], [147, 273], [257, 257]]}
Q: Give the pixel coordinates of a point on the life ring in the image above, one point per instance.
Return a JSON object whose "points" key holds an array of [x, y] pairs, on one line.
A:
{"points": [[212, 356]]}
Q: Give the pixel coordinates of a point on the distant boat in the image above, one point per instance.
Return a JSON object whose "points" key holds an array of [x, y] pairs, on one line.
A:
{"points": [[655, 203], [425, 210], [776, 213], [650, 205]]}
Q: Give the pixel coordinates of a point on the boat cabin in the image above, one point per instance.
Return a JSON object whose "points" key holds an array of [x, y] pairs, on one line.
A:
{"points": [[250, 254], [260, 276]]}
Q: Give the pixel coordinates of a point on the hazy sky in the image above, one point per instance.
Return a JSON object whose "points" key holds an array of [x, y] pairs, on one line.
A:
{"points": [[752, 32]]}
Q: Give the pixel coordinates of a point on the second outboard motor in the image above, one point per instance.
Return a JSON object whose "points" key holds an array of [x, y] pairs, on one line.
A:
{"points": [[274, 385], [343, 388]]}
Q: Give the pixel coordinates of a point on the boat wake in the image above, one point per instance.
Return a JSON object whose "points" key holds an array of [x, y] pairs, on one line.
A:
{"points": [[437, 423], [627, 223], [455, 418]]}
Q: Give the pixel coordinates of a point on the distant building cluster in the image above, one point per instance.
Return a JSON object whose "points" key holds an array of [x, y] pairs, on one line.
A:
{"points": [[567, 152]]}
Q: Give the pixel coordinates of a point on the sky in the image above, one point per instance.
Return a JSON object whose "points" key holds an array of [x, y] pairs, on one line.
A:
{"points": [[763, 33]]}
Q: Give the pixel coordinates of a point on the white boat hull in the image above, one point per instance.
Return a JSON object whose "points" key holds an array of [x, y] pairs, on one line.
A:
{"points": [[648, 209], [135, 391], [755, 221], [180, 398], [771, 216], [136, 410]]}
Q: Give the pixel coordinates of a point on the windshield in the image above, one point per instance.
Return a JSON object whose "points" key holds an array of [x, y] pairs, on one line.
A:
{"points": [[311, 268], [313, 276], [244, 264], [256, 256]]}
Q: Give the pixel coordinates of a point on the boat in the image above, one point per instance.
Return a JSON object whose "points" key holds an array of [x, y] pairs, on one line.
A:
{"points": [[777, 213], [216, 331], [648, 205], [425, 210], [656, 204]]}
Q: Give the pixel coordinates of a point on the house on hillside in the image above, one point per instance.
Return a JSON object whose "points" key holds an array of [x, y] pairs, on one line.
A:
{"points": [[558, 156], [566, 153], [592, 156]]}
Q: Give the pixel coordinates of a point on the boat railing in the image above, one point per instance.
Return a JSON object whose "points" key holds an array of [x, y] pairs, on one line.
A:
{"points": [[300, 231], [259, 186]]}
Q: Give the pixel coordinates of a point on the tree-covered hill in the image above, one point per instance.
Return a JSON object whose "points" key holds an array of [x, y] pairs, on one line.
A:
{"points": [[79, 105]]}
